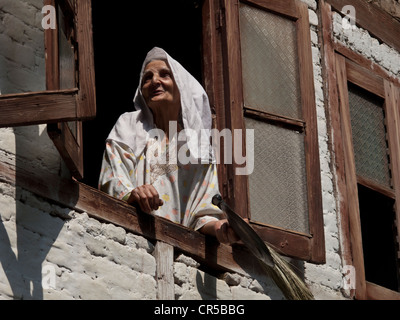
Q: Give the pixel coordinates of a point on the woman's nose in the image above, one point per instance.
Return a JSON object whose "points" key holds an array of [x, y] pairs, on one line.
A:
{"points": [[155, 79]]}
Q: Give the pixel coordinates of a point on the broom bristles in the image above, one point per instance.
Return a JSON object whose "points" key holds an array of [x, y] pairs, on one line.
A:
{"points": [[291, 285]]}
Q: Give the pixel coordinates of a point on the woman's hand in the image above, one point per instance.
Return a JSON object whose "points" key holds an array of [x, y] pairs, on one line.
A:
{"points": [[221, 230], [147, 197]]}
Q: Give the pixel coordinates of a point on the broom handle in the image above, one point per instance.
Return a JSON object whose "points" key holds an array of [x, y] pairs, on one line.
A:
{"points": [[245, 232]]}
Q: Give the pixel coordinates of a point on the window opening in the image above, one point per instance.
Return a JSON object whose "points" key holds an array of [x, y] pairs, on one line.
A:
{"points": [[120, 46]]}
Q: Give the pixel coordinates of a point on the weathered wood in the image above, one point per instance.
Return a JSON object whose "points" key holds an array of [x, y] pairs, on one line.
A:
{"points": [[51, 55], [372, 18], [365, 78], [37, 107], [375, 292], [286, 8], [392, 105], [351, 180], [334, 125], [213, 70], [164, 255], [365, 63], [285, 122], [376, 187], [286, 242], [69, 146], [234, 101], [314, 189], [84, 37]]}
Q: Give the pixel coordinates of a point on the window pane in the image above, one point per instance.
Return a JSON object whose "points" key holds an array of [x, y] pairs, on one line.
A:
{"points": [[278, 189], [22, 63], [369, 135], [270, 62]]}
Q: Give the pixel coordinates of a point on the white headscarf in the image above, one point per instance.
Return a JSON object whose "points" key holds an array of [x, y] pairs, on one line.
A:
{"points": [[132, 128]]}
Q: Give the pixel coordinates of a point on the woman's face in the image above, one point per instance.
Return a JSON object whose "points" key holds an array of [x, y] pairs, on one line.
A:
{"points": [[158, 85]]}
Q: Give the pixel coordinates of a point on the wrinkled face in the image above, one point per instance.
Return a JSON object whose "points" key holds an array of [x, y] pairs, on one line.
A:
{"points": [[158, 85]]}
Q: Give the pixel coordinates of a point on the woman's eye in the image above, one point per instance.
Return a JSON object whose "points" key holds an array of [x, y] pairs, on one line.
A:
{"points": [[165, 74], [148, 78]]}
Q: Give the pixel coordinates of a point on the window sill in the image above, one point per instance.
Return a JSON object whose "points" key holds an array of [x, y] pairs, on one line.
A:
{"points": [[97, 204]]}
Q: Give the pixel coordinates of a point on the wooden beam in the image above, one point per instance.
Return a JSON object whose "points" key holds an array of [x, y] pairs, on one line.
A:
{"points": [[334, 126], [164, 255], [375, 292], [375, 20], [84, 37], [365, 63], [309, 110], [37, 107], [351, 179], [365, 78], [234, 102], [286, 8], [285, 122]]}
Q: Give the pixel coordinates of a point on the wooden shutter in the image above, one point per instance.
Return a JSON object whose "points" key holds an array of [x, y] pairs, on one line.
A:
{"points": [[370, 131], [241, 106]]}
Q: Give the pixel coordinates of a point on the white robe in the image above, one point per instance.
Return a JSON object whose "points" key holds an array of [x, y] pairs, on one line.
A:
{"points": [[132, 155]]}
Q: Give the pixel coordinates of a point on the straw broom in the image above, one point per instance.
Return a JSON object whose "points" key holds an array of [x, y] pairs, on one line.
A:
{"points": [[291, 285]]}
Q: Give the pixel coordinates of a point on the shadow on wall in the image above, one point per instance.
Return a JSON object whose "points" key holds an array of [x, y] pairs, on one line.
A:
{"points": [[28, 231]]}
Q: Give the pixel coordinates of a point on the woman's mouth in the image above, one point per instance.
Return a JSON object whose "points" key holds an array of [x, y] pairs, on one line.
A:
{"points": [[157, 92]]}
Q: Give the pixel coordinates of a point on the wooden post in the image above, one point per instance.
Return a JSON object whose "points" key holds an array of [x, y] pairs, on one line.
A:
{"points": [[164, 254]]}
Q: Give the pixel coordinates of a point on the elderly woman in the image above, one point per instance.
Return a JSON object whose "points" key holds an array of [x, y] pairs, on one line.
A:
{"points": [[155, 157]]}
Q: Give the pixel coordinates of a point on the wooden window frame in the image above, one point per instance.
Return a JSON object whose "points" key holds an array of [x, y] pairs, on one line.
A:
{"points": [[340, 66], [223, 83], [54, 105]]}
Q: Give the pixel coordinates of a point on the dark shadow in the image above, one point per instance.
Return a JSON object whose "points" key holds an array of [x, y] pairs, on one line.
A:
{"points": [[25, 242], [207, 286]]}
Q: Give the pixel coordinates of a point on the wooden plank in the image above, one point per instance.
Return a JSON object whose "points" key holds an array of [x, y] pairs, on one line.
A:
{"points": [[213, 76], [164, 255], [286, 242], [51, 55], [370, 17], [351, 180], [333, 114], [84, 37], [286, 8], [286, 122], [392, 106], [37, 107], [376, 187], [238, 197], [375, 292], [68, 146], [365, 63], [365, 78], [314, 189]]}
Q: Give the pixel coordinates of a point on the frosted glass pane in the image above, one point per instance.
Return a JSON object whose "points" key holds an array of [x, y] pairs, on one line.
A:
{"points": [[269, 62], [278, 187], [369, 136]]}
